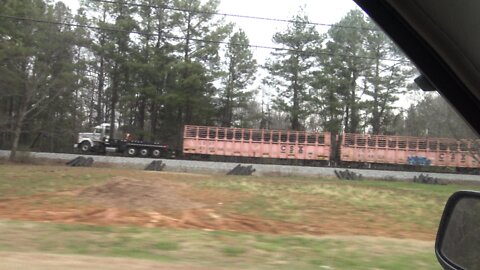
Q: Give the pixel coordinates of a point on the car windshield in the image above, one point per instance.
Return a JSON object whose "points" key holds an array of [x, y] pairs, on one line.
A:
{"points": [[254, 135]]}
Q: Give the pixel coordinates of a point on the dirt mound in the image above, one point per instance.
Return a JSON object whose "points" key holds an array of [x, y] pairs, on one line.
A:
{"points": [[138, 194]]}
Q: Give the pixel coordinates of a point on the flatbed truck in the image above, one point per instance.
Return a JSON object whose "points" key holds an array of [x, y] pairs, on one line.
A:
{"points": [[98, 141]]}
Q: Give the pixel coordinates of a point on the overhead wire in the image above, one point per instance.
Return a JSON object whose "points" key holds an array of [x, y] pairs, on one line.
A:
{"points": [[193, 39], [236, 15]]}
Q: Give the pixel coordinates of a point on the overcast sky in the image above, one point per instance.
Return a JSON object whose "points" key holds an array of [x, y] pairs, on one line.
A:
{"points": [[260, 32]]}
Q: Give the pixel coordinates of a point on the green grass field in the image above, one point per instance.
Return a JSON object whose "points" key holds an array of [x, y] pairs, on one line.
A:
{"points": [[229, 250], [358, 225]]}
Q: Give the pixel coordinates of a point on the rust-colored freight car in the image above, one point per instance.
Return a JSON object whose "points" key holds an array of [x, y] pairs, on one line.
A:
{"points": [[403, 150], [256, 143], [313, 148]]}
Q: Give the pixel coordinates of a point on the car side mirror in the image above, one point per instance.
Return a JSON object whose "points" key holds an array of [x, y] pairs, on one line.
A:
{"points": [[458, 238]]}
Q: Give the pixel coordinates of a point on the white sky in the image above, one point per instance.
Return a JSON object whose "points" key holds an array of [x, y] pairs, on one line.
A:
{"points": [[260, 32]]}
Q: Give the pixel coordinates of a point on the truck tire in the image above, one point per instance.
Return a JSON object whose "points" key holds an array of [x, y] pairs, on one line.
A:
{"points": [[85, 147], [144, 152], [156, 153], [131, 151]]}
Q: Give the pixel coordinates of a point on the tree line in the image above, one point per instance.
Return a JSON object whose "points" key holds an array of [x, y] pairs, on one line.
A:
{"points": [[154, 66]]}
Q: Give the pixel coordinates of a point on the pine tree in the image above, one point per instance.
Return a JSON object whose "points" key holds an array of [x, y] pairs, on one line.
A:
{"points": [[343, 64], [240, 68], [36, 65], [191, 98], [290, 71], [385, 80]]}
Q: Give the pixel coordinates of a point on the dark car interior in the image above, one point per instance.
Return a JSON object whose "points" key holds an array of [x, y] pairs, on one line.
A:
{"points": [[441, 39]]}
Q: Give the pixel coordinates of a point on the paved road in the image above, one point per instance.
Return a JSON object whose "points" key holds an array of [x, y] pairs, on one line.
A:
{"points": [[261, 169]]}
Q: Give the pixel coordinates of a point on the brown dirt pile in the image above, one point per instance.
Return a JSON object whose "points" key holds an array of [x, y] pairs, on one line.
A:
{"points": [[158, 202], [137, 194]]}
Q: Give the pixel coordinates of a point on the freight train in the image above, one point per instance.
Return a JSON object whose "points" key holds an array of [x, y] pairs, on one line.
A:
{"points": [[302, 148]]}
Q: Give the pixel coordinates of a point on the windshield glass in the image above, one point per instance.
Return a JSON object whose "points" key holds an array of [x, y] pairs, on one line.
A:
{"points": [[251, 135]]}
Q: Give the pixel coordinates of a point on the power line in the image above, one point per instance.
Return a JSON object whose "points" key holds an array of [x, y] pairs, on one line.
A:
{"points": [[236, 15], [193, 39], [131, 32]]}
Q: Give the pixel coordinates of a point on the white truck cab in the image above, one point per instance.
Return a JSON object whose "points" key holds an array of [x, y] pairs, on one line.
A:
{"points": [[88, 140]]}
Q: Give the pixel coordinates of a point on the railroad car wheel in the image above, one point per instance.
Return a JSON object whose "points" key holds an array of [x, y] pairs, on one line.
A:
{"points": [[85, 147], [131, 151], [156, 153], [144, 152]]}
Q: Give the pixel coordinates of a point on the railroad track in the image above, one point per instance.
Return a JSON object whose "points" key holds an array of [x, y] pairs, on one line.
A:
{"points": [[178, 165]]}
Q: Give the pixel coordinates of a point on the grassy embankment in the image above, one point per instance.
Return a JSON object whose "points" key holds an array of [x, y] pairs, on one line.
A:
{"points": [[397, 221]]}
